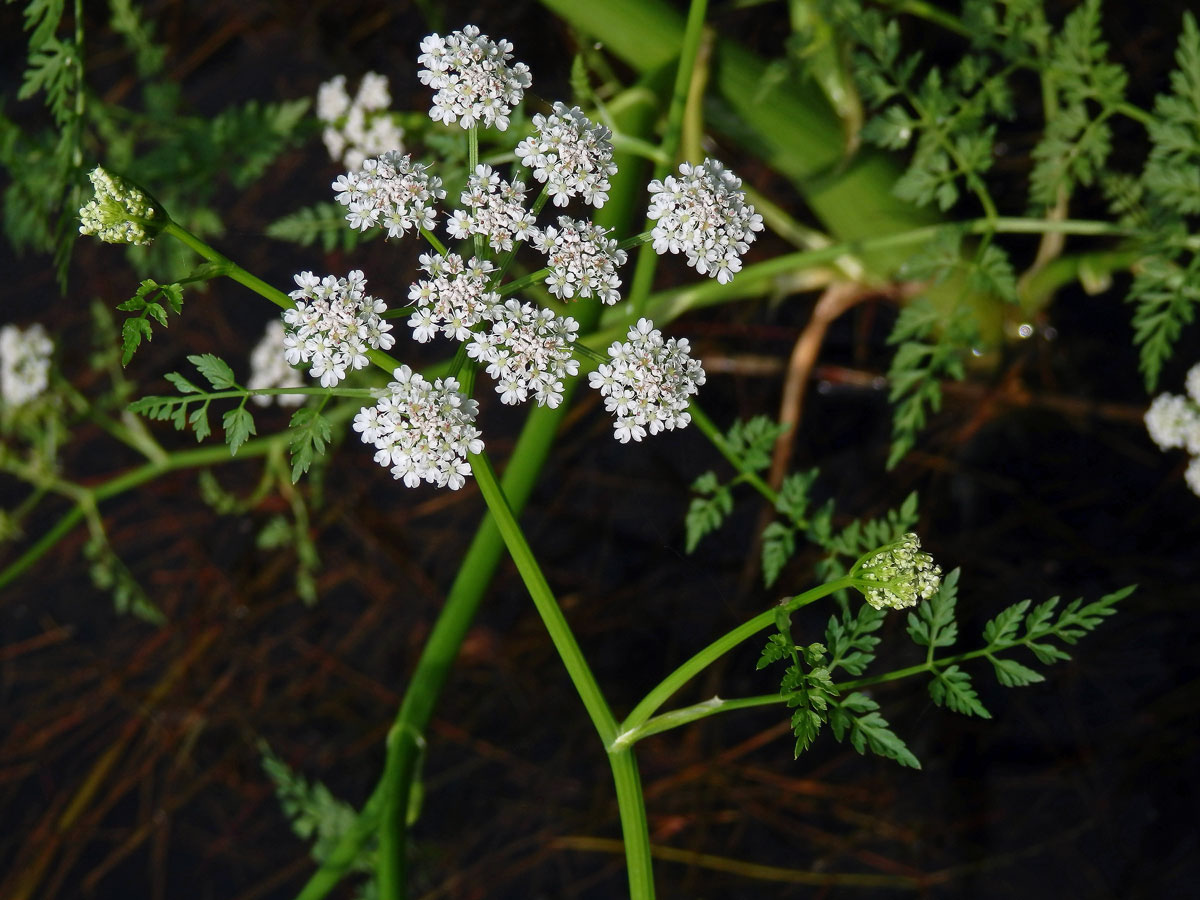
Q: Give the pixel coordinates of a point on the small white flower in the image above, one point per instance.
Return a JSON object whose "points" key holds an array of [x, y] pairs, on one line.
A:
{"points": [[1192, 475], [453, 300], [703, 213], [332, 100], [527, 349], [583, 260], [472, 77], [358, 129], [898, 575], [334, 324], [119, 213], [1192, 383], [648, 383], [495, 209], [570, 154], [271, 366], [422, 431], [1173, 421], [24, 363], [390, 192]]}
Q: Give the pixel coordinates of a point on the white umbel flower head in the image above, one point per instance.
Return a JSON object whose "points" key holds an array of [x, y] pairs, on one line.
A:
{"points": [[1192, 475], [703, 213], [358, 129], [119, 213], [390, 192], [454, 299], [422, 431], [527, 350], [472, 77], [570, 154], [898, 575], [648, 383], [269, 368], [1174, 421], [24, 363], [1192, 383], [583, 260], [495, 209], [334, 324]]}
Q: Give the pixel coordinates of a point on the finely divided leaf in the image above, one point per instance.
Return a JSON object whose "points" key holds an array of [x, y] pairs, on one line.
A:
{"points": [[951, 687], [932, 624], [859, 716], [218, 373]]}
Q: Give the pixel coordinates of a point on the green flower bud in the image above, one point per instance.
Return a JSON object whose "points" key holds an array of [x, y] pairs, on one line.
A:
{"points": [[897, 575], [120, 213]]}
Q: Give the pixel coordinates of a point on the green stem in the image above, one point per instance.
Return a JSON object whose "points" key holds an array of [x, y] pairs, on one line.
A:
{"points": [[647, 261], [232, 270], [228, 267], [547, 607], [710, 654], [634, 827]]}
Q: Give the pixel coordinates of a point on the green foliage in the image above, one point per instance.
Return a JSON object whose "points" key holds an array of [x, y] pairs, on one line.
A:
{"points": [[146, 303], [315, 814], [753, 441], [110, 574], [852, 640], [321, 223], [928, 348], [858, 716], [310, 433], [1087, 91], [932, 624], [191, 408], [1173, 169]]}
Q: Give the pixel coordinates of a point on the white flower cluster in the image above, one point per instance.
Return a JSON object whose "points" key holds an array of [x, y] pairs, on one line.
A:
{"points": [[648, 383], [454, 299], [497, 210], [24, 363], [472, 77], [570, 155], [358, 128], [333, 325], [1174, 421], [391, 192], [269, 368], [422, 431], [119, 213], [704, 214], [583, 260], [898, 575], [527, 349]]}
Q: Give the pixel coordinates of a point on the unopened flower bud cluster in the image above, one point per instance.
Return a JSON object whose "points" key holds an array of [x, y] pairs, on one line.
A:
{"points": [[472, 78], [269, 368], [24, 363], [1173, 421], [359, 127], [119, 213], [333, 325], [648, 383], [703, 213], [898, 575], [422, 431]]}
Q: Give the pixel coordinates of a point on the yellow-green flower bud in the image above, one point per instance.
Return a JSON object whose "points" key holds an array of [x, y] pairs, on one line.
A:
{"points": [[897, 575], [119, 213]]}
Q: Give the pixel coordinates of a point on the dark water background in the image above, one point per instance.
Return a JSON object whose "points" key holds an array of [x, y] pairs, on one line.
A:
{"points": [[1083, 786]]}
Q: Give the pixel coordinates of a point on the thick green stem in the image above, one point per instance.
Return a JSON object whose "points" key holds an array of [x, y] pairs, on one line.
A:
{"points": [[634, 827], [714, 651]]}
